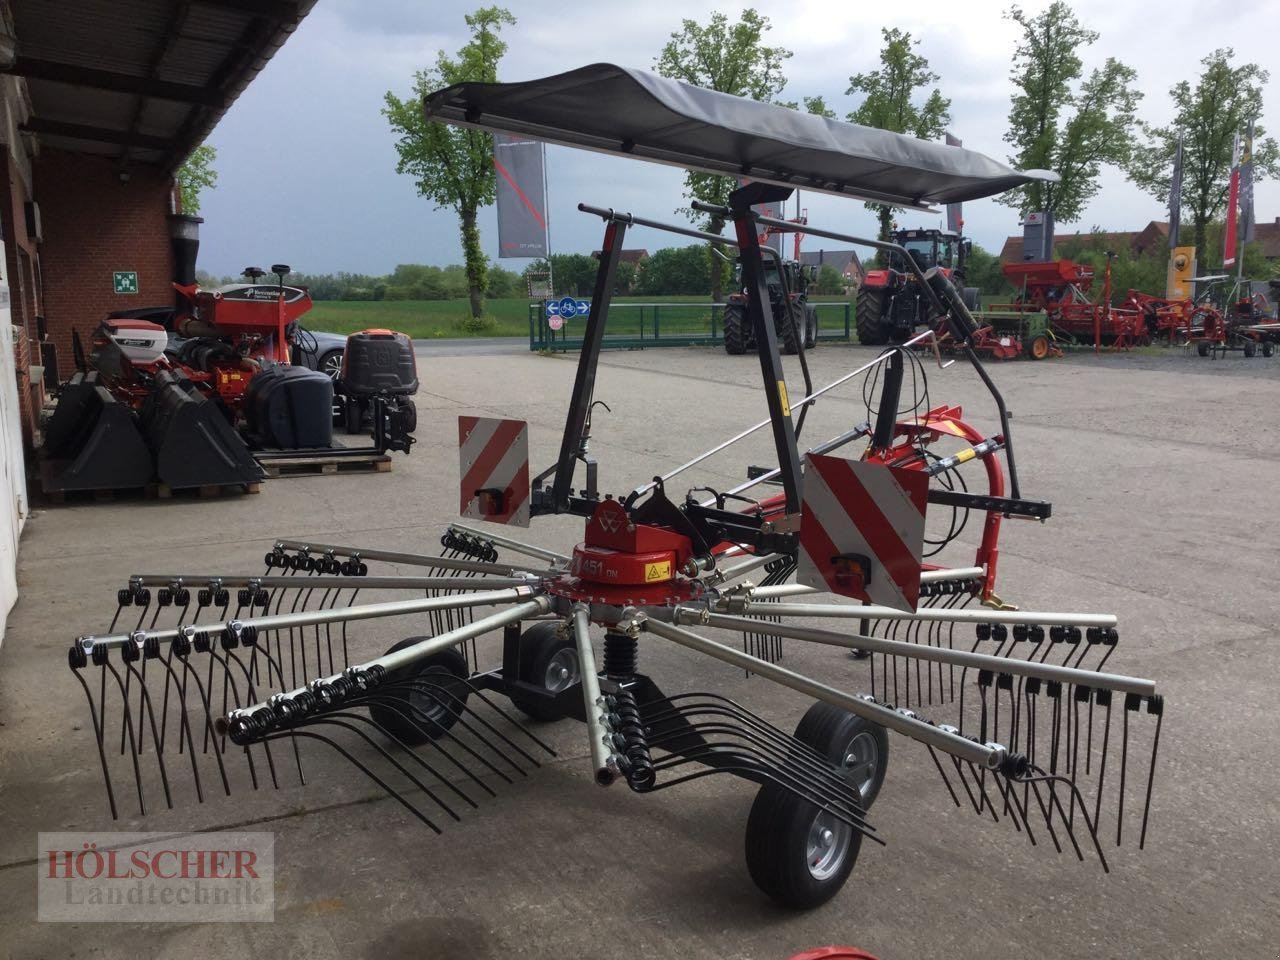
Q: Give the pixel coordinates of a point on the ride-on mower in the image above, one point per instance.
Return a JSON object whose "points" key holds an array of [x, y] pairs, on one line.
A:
{"points": [[1013, 707], [891, 303], [795, 321]]}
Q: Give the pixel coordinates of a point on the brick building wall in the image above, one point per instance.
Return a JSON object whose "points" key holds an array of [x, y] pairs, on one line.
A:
{"points": [[95, 224]]}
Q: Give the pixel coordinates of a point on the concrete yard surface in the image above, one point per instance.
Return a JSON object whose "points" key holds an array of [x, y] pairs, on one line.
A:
{"points": [[1160, 468]]}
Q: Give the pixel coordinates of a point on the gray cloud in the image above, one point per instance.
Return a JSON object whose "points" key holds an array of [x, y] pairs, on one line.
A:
{"points": [[307, 166]]}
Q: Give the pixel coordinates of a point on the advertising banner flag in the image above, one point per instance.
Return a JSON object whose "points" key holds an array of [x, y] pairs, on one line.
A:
{"points": [[520, 165]]}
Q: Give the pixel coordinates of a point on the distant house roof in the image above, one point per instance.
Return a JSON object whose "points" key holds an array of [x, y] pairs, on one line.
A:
{"points": [[1150, 236], [846, 261], [632, 257]]}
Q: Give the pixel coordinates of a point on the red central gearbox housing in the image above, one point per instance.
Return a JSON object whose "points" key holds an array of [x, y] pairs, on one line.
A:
{"points": [[626, 563]]}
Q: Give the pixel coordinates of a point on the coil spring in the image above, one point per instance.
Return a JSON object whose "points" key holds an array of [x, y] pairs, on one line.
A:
{"points": [[621, 656], [637, 765]]}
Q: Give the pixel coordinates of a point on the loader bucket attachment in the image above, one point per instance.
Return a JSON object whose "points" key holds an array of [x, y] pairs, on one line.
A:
{"points": [[194, 444], [92, 441]]}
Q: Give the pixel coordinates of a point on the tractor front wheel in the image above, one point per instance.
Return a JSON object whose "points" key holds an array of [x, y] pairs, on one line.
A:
{"points": [[735, 329], [811, 327], [790, 320], [869, 318]]}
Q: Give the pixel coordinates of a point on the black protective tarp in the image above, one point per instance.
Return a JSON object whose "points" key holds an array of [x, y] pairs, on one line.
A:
{"points": [[636, 113]]}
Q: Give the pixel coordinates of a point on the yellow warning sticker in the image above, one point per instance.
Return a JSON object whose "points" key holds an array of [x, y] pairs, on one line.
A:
{"points": [[657, 571], [782, 395]]}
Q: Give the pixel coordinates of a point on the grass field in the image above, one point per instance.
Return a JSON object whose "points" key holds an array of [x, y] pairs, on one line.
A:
{"points": [[431, 319]]}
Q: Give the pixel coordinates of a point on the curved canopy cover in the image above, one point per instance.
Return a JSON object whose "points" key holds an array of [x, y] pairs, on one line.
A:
{"points": [[612, 109]]}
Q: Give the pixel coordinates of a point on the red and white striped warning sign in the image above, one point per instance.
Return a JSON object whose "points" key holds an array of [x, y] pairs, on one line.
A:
{"points": [[494, 464], [862, 530]]}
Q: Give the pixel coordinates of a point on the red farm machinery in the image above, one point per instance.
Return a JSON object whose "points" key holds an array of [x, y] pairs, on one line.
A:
{"points": [[1014, 708], [891, 303], [183, 394]]}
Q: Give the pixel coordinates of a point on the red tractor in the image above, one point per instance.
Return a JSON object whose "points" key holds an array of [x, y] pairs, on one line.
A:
{"points": [[891, 303]]}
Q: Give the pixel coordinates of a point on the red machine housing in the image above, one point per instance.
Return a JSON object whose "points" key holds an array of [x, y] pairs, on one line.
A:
{"points": [[625, 563]]}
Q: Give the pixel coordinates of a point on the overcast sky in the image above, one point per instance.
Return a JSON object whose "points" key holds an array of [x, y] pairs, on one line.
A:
{"points": [[306, 162]]}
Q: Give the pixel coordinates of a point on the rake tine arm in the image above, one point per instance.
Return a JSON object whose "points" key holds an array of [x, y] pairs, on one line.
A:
{"points": [[76, 667], [605, 760]]}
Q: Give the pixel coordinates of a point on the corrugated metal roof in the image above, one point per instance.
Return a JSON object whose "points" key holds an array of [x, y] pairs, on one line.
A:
{"points": [[142, 80]]}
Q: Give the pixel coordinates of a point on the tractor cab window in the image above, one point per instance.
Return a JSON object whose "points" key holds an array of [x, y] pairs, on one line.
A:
{"points": [[922, 252], [944, 253]]}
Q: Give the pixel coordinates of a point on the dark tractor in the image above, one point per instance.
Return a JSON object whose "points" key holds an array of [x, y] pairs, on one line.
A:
{"points": [[793, 315], [890, 301]]}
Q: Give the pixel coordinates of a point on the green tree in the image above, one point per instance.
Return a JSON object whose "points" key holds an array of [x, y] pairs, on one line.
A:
{"points": [[983, 271], [830, 281], [453, 166], [889, 104], [730, 58], [1210, 114], [195, 175], [1058, 124], [674, 271]]}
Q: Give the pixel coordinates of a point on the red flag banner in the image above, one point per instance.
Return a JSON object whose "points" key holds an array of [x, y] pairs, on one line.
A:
{"points": [[1233, 201]]}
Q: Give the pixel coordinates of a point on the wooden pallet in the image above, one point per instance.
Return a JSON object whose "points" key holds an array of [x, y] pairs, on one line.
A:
{"points": [[321, 465], [152, 491]]}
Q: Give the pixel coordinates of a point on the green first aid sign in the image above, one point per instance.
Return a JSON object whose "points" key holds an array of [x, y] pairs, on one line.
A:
{"points": [[125, 281]]}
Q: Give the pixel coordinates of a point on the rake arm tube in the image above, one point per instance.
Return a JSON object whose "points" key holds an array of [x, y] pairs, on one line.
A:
{"points": [[871, 612], [602, 755], [991, 756], [369, 611], [409, 559], [918, 651]]}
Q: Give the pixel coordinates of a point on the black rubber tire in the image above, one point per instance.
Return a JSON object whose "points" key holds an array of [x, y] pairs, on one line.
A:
{"points": [[430, 716], [868, 315], [1250, 348], [1038, 347], [971, 297], [540, 645], [789, 320], [810, 327], [735, 329], [1202, 348], [353, 415], [329, 356], [780, 823], [1268, 349], [409, 410]]}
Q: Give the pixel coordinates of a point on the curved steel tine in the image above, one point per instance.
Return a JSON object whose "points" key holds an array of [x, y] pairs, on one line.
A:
{"points": [[102, 753], [144, 698], [128, 730], [391, 791]]}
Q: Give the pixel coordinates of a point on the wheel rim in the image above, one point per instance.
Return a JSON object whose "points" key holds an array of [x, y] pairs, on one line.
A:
{"points": [[429, 699], [861, 760], [562, 671], [827, 846], [1039, 348], [331, 366]]}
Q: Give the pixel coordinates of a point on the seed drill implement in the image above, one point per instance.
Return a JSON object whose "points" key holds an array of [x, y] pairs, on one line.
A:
{"points": [[204, 683]]}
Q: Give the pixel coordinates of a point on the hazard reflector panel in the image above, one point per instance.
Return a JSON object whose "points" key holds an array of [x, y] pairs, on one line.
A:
{"points": [[862, 530], [494, 464]]}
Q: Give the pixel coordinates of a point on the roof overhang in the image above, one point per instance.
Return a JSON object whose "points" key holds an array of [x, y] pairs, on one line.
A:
{"points": [[635, 113], [141, 81]]}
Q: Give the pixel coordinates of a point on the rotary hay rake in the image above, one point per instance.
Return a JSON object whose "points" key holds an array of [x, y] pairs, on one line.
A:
{"points": [[228, 681]]}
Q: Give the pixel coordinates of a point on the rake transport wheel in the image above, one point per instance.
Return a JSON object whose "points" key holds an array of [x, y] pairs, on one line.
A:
{"points": [[548, 659], [1202, 348], [867, 318], [796, 853], [1268, 349], [735, 329], [1250, 348], [1038, 347], [431, 706]]}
